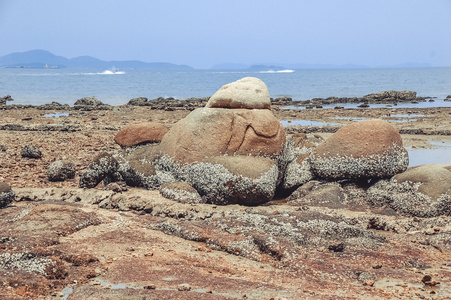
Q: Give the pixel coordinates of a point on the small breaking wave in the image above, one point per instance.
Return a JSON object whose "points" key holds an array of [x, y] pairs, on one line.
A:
{"points": [[110, 72]]}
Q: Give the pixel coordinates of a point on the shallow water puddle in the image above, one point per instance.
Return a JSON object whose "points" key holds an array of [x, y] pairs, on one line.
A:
{"points": [[425, 104], [56, 115], [66, 292], [439, 154]]}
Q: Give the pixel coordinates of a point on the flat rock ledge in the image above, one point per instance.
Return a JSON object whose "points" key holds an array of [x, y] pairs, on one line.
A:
{"points": [[55, 240]]}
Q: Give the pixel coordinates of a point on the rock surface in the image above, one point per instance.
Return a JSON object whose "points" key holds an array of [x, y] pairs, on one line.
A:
{"points": [[55, 242], [146, 245], [208, 132], [149, 132], [367, 149], [181, 192], [248, 93]]}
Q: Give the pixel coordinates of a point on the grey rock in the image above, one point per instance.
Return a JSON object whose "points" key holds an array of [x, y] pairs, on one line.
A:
{"points": [[90, 101], [30, 151], [4, 99], [140, 101], [103, 166], [61, 170], [6, 195]]}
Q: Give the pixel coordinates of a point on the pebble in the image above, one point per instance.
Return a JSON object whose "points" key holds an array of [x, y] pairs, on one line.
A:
{"points": [[184, 287]]}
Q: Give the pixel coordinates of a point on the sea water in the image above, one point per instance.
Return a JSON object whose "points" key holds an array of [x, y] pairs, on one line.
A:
{"points": [[40, 86]]}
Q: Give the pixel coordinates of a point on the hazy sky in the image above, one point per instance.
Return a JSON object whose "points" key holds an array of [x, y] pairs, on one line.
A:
{"points": [[201, 33]]}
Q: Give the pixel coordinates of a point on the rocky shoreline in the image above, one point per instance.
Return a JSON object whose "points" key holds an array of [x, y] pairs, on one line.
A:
{"points": [[322, 242]]}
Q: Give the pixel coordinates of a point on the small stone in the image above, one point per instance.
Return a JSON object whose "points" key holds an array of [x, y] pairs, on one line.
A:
{"points": [[150, 287], [6, 195], [61, 170], [30, 152], [184, 287]]}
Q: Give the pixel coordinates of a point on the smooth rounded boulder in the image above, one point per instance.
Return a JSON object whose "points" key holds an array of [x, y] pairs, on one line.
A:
{"points": [[247, 93], [421, 191], [208, 132], [135, 134], [434, 179], [367, 149]]}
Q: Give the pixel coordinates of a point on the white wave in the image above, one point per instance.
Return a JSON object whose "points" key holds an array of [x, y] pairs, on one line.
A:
{"points": [[110, 72], [278, 71]]}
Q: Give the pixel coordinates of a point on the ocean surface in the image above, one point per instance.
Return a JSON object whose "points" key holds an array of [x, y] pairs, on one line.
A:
{"points": [[40, 86]]}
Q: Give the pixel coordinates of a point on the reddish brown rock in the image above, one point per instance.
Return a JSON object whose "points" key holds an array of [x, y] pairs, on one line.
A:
{"points": [[248, 92], [209, 132], [140, 133], [367, 149]]}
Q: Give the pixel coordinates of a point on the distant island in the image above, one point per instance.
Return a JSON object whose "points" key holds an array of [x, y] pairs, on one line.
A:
{"points": [[43, 59]]}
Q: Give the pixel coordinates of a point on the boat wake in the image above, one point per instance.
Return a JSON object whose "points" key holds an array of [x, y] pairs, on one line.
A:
{"points": [[111, 72]]}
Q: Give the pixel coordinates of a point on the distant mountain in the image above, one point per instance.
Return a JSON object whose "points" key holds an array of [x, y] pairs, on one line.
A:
{"points": [[42, 58]]}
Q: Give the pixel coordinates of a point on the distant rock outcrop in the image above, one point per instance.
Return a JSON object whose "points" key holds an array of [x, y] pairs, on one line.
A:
{"points": [[91, 103]]}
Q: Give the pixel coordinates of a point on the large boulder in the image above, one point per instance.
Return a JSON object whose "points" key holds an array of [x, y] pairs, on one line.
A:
{"points": [[248, 92], [208, 132], [149, 132], [6, 194], [433, 180], [421, 191], [367, 149]]}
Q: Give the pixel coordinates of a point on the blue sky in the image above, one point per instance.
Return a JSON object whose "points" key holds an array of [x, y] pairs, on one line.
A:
{"points": [[201, 33]]}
